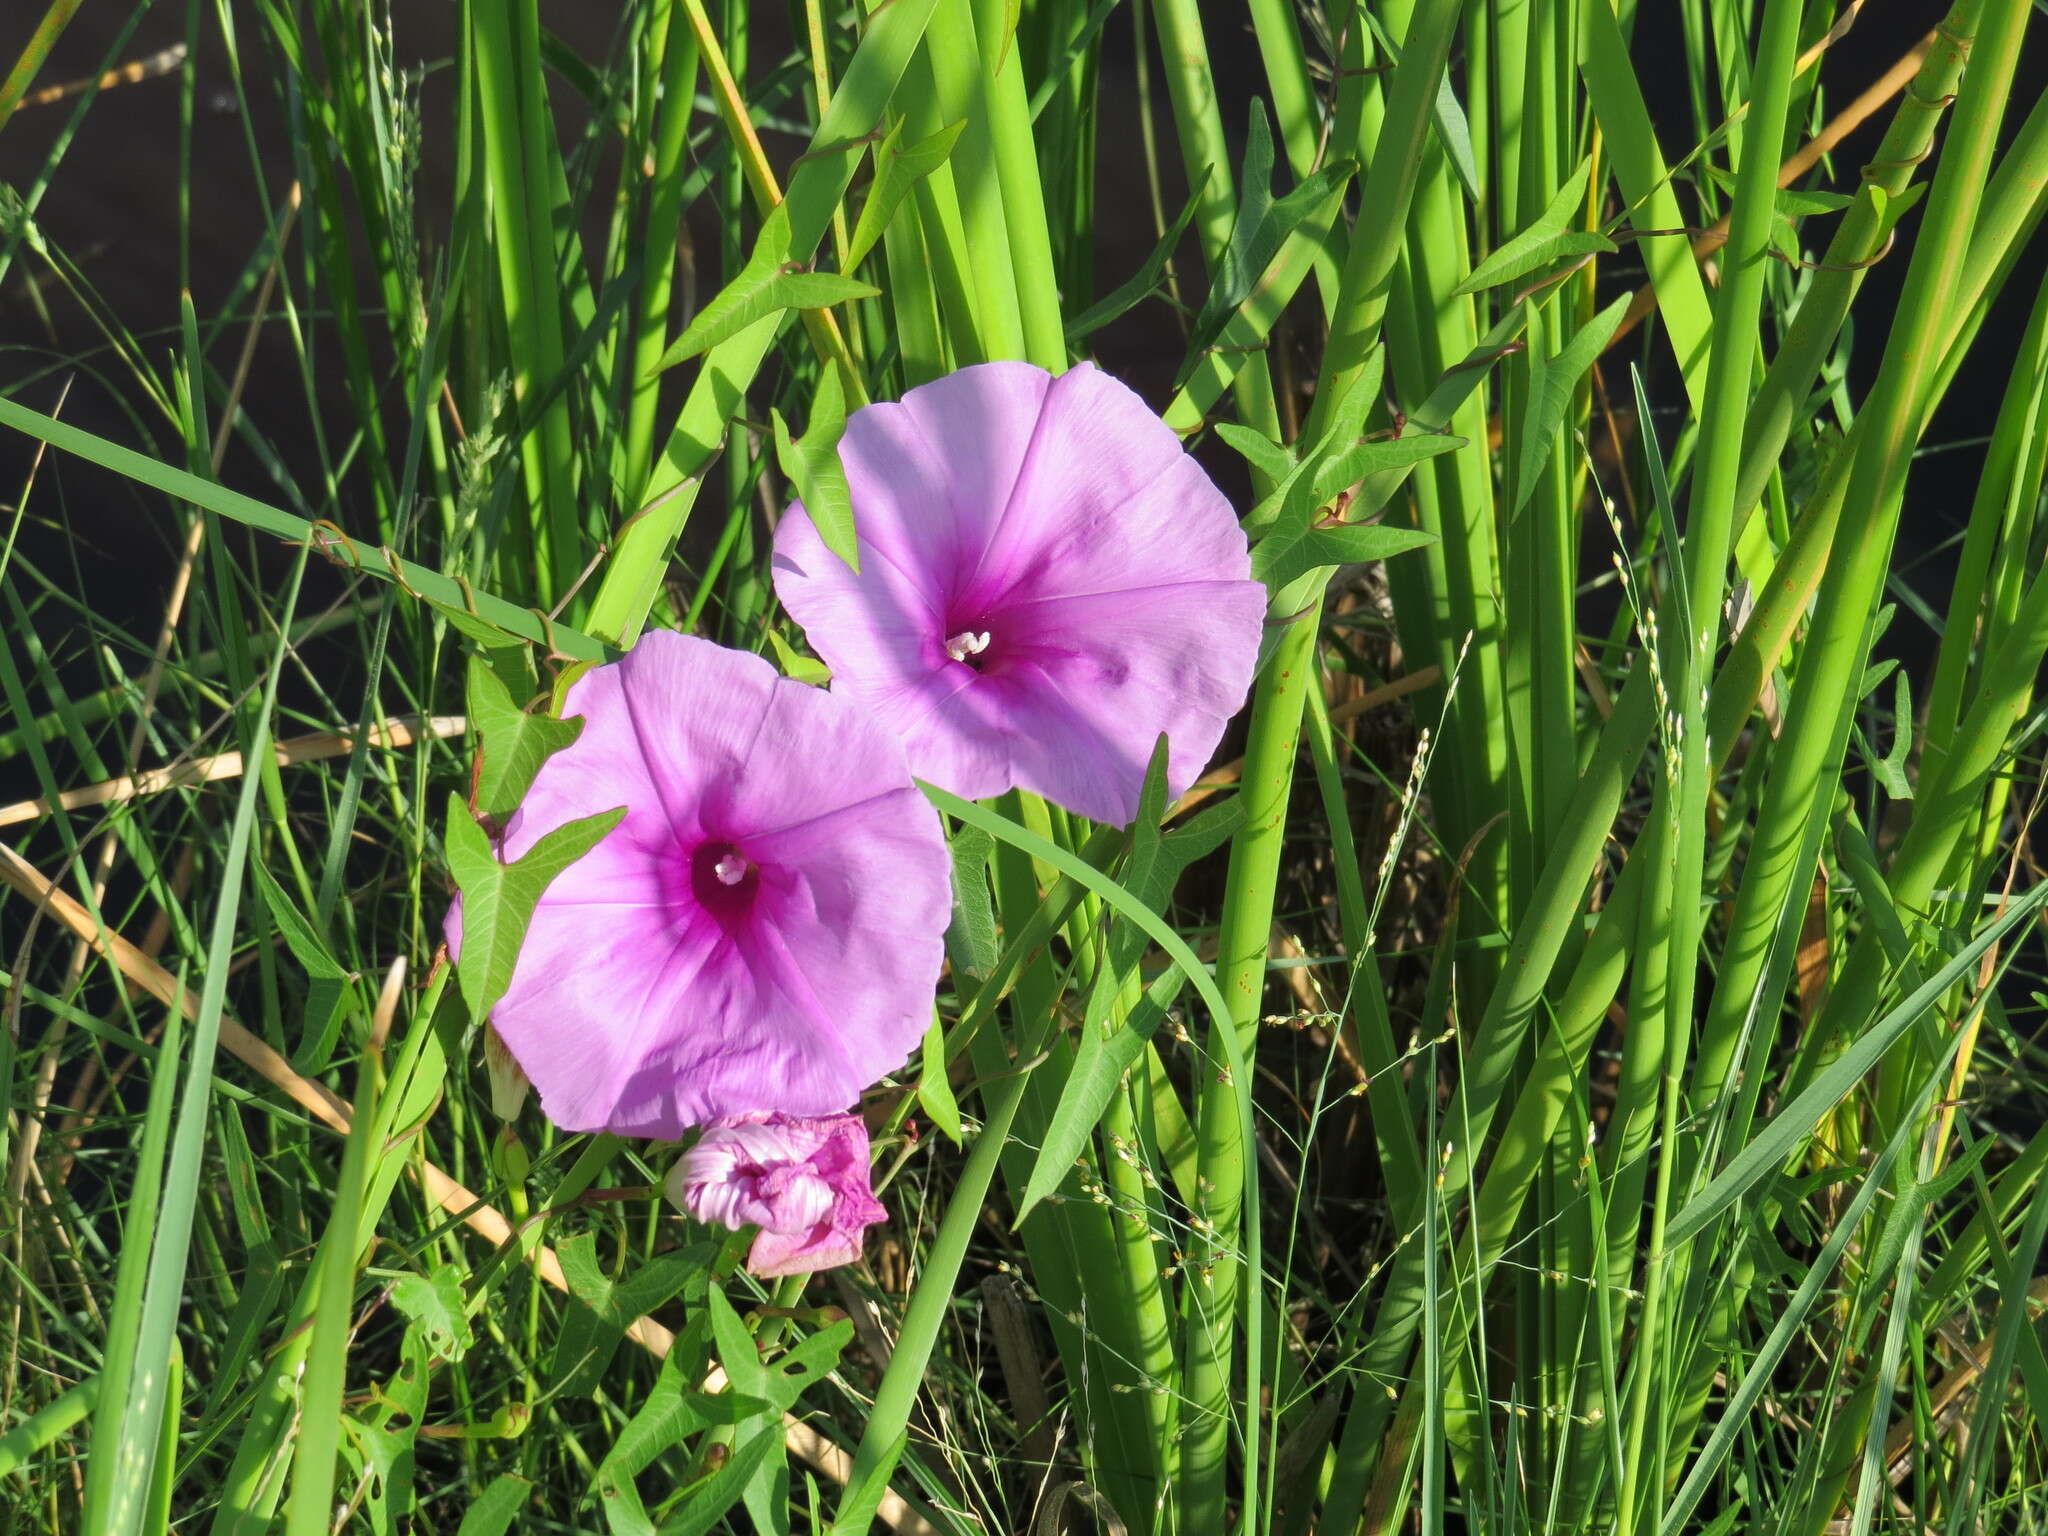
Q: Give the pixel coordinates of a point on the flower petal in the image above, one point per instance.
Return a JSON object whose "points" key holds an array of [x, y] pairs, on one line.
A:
{"points": [[1100, 678], [1107, 500], [803, 1181], [1058, 526], [643, 1005]]}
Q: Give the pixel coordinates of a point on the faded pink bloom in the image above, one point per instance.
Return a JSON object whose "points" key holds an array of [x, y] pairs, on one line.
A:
{"points": [[803, 1182], [760, 934], [1047, 583]]}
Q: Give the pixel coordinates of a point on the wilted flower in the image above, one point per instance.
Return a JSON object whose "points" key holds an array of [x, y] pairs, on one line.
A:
{"points": [[1047, 582], [761, 933], [803, 1182]]}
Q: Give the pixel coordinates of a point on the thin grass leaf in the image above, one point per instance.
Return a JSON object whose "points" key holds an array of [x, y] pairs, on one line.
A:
{"points": [[1141, 283], [336, 546], [1795, 1121]]}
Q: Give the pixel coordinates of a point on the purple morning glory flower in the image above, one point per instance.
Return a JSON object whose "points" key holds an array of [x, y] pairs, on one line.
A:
{"points": [[803, 1182], [760, 934], [1047, 582]]}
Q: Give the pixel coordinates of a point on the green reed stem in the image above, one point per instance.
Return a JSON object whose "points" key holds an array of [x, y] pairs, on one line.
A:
{"points": [[1277, 702], [519, 146], [639, 558], [1820, 706], [1015, 159], [1858, 240], [678, 75], [1688, 666]]}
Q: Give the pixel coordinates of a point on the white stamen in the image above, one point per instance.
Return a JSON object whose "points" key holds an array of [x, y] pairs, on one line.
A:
{"points": [[731, 869], [967, 643]]}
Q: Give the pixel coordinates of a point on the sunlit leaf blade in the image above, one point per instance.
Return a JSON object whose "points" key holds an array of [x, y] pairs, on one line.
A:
{"points": [[1549, 239], [812, 464], [898, 168]]}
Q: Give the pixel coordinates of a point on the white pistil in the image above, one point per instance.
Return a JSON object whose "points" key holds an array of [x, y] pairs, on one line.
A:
{"points": [[967, 643], [731, 869]]}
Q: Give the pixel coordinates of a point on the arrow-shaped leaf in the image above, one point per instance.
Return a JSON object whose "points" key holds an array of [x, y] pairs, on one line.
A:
{"points": [[767, 283], [514, 743], [1145, 279], [1297, 544], [1340, 544], [1261, 227], [812, 464], [1549, 239], [898, 168], [498, 899]]}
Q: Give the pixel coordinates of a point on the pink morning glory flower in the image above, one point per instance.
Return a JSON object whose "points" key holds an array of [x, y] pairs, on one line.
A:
{"points": [[761, 932], [1047, 582], [803, 1182]]}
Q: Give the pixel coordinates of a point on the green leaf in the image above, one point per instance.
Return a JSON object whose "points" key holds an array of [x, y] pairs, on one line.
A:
{"points": [[1549, 239], [1797, 202], [1890, 770], [327, 983], [1551, 384], [602, 1309], [898, 168], [1294, 494], [1296, 544], [765, 285], [509, 656], [796, 665], [416, 580], [1078, 43], [498, 899], [381, 1440], [436, 1303], [672, 1412], [1454, 132], [1110, 1046], [1260, 229], [812, 464], [1340, 544], [934, 1089], [746, 300], [1791, 1313], [1140, 283], [781, 1382], [706, 1502], [1269, 458], [855, 1515], [971, 938], [496, 1507], [514, 743], [1340, 471]]}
